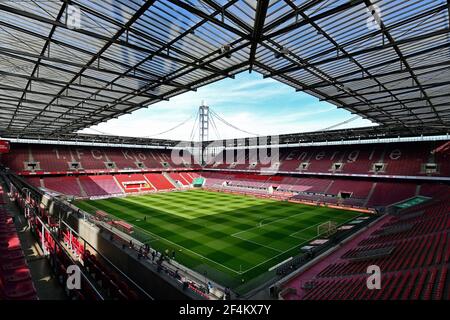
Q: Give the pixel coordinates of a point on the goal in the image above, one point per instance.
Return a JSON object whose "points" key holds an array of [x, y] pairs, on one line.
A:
{"points": [[327, 229]]}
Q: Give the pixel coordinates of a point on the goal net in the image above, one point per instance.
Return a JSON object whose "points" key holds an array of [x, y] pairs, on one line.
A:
{"points": [[326, 229]]}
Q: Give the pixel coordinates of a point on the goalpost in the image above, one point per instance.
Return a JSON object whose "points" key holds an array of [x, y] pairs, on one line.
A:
{"points": [[326, 229]]}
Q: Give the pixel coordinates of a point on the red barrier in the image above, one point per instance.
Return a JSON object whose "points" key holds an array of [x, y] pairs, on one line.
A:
{"points": [[127, 227]]}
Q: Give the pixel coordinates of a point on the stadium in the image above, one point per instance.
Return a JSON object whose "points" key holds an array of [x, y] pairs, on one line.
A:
{"points": [[343, 212]]}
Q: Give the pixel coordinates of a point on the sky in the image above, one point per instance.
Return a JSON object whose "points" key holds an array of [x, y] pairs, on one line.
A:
{"points": [[249, 102]]}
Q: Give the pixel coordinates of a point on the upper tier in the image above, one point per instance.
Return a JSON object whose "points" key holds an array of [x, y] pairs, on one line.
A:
{"points": [[403, 159], [39, 158], [407, 159]]}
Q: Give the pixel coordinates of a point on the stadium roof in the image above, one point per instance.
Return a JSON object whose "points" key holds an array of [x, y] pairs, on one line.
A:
{"points": [[388, 61]]}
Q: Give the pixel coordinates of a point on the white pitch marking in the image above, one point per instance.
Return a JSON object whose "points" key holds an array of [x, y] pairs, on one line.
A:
{"points": [[257, 243]]}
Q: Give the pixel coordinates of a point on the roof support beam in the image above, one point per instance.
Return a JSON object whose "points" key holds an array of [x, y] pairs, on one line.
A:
{"points": [[448, 10], [145, 36], [21, 55], [36, 65], [434, 67], [84, 51], [339, 85], [375, 33], [387, 104], [206, 60], [201, 64], [96, 102], [146, 63], [290, 15], [64, 85], [111, 41], [205, 16], [352, 55], [316, 72], [403, 79], [322, 15], [388, 62], [403, 90], [70, 72], [325, 96], [260, 17], [192, 84], [100, 37], [396, 47], [223, 10]]}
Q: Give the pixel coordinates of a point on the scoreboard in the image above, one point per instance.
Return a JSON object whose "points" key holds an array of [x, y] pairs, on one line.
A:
{"points": [[4, 146]]}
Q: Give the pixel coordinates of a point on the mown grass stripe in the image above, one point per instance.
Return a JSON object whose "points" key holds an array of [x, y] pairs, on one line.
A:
{"points": [[239, 236]]}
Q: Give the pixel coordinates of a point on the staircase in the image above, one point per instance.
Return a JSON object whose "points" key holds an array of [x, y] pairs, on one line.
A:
{"points": [[83, 192], [169, 178], [328, 187], [119, 184], [372, 190]]}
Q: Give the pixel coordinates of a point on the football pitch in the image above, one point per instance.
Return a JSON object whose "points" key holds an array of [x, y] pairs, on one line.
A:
{"points": [[232, 239]]}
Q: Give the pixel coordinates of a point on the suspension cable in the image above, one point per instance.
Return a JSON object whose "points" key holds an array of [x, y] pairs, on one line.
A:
{"points": [[340, 123], [148, 136], [171, 129], [192, 136], [214, 126], [230, 125]]}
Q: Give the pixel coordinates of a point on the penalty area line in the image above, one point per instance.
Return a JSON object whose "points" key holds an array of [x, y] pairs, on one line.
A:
{"points": [[276, 256], [257, 243], [279, 264]]}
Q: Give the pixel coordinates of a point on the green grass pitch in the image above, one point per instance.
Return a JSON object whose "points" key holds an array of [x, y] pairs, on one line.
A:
{"points": [[232, 239]]}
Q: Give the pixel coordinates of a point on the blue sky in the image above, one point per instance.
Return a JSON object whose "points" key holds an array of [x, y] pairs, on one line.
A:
{"points": [[249, 102]]}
